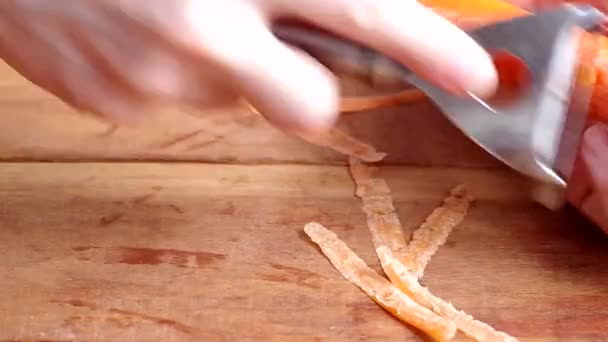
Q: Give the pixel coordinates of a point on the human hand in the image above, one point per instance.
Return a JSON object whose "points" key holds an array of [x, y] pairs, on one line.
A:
{"points": [[118, 58], [588, 186]]}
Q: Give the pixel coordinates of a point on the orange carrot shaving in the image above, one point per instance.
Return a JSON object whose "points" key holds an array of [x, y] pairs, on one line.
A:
{"points": [[391, 247], [433, 233], [406, 282], [463, 12], [343, 143], [378, 288], [386, 228], [382, 220], [362, 103]]}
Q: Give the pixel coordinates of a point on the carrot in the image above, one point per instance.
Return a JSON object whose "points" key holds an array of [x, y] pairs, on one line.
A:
{"points": [[468, 13], [593, 62]]}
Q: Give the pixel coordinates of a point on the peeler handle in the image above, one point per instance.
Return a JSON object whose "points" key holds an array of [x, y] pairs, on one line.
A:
{"points": [[339, 54]]}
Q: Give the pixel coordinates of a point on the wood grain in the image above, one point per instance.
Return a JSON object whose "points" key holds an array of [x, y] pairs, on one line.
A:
{"points": [[36, 126], [213, 250], [192, 252]]}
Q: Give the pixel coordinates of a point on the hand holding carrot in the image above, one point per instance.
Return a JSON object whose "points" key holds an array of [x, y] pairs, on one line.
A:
{"points": [[588, 186], [588, 189]]}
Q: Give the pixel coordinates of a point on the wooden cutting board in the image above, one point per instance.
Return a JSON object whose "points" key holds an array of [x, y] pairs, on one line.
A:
{"points": [[33, 125], [214, 250]]}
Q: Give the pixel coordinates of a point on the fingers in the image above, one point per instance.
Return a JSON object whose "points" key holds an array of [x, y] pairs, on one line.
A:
{"points": [[579, 187], [291, 89], [588, 188], [153, 74], [595, 156], [408, 32], [132, 57]]}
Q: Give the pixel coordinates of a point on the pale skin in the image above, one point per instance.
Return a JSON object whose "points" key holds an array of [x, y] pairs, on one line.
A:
{"points": [[117, 58]]}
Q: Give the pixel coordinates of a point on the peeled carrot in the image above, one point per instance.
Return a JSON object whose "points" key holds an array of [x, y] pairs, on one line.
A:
{"points": [[593, 61], [467, 13]]}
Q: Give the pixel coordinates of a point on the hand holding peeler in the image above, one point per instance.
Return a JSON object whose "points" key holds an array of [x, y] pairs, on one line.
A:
{"points": [[538, 133]]}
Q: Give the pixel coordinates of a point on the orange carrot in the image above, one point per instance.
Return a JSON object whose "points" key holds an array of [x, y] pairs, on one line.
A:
{"points": [[467, 13]]}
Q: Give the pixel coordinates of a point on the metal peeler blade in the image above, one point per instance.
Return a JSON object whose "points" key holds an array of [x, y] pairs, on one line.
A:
{"points": [[537, 134]]}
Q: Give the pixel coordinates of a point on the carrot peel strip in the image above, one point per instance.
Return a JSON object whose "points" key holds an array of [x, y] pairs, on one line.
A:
{"points": [[408, 283], [382, 219], [343, 143], [362, 103], [377, 287], [433, 233]]}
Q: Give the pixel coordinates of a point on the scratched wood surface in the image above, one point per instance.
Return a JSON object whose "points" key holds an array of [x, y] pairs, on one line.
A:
{"points": [[213, 250], [35, 126], [195, 252]]}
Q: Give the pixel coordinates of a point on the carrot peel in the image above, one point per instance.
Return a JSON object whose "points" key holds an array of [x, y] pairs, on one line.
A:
{"points": [[433, 233], [378, 288], [406, 282]]}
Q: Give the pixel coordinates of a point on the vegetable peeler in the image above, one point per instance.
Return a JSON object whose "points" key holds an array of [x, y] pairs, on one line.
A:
{"points": [[536, 134]]}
